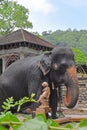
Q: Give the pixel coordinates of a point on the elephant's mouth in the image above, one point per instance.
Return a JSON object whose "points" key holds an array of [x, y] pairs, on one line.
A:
{"points": [[67, 96], [72, 89]]}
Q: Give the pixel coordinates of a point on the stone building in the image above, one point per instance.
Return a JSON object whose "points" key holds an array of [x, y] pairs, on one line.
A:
{"points": [[20, 44]]}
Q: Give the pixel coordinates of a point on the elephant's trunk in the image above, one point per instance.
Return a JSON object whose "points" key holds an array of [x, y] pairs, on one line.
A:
{"points": [[72, 92]]}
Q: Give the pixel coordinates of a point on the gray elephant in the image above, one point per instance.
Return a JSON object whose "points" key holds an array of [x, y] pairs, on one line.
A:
{"points": [[25, 76]]}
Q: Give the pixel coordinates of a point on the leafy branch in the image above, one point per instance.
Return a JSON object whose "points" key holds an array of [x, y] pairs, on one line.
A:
{"points": [[38, 123], [9, 103]]}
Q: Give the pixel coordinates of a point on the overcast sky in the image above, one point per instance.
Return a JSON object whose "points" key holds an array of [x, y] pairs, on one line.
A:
{"points": [[56, 14]]}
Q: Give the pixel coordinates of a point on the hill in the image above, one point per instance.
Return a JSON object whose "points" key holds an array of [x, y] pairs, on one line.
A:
{"points": [[70, 38]]}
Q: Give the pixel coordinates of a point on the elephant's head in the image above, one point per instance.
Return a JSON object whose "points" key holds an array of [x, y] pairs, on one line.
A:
{"points": [[61, 66]]}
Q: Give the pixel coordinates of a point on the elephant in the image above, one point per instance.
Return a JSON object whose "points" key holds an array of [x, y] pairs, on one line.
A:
{"points": [[25, 76]]}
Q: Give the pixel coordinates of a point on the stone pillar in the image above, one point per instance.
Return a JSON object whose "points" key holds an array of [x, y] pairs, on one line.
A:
{"points": [[3, 63], [21, 55]]}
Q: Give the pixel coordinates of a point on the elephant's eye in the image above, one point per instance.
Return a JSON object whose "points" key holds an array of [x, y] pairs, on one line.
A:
{"points": [[48, 64]]}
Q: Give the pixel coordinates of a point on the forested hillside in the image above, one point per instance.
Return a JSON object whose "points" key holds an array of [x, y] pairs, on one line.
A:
{"points": [[71, 38]]}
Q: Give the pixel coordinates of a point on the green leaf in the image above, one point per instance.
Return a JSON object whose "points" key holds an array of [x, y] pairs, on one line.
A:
{"points": [[41, 117], [8, 104], [70, 125], [33, 124], [8, 117], [32, 95], [83, 123], [2, 128], [24, 100], [52, 123]]}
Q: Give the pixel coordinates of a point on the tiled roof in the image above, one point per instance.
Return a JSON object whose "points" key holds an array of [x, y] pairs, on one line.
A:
{"points": [[24, 36]]}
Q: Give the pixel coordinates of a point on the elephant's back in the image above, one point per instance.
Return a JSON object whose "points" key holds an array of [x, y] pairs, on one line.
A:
{"points": [[22, 66]]}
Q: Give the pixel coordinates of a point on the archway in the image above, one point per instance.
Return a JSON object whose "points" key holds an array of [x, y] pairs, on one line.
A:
{"points": [[11, 59]]}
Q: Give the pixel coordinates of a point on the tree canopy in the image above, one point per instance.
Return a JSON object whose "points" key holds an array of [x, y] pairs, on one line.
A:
{"points": [[70, 38], [80, 57], [13, 15]]}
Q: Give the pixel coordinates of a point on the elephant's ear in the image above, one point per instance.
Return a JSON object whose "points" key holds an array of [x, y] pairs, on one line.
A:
{"points": [[45, 63]]}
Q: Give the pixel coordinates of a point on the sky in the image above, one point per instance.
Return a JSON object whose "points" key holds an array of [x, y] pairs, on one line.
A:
{"points": [[55, 15]]}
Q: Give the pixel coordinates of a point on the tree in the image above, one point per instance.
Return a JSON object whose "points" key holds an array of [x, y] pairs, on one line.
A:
{"points": [[13, 15], [45, 33], [80, 56]]}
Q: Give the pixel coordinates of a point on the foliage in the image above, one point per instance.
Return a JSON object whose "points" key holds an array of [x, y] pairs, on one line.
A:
{"points": [[70, 38], [80, 56], [9, 103], [39, 122], [13, 15]]}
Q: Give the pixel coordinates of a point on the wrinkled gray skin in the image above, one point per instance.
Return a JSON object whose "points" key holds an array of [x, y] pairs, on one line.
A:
{"points": [[25, 77]]}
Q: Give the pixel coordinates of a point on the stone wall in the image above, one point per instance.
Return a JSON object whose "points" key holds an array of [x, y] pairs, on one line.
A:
{"points": [[82, 89]]}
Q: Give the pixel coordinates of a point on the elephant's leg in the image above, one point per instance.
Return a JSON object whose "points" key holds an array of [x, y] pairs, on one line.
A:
{"points": [[53, 102], [36, 88], [3, 97], [34, 105]]}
